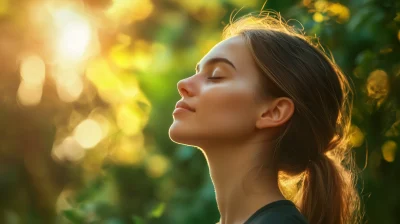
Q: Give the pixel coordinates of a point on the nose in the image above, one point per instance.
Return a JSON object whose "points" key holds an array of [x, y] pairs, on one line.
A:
{"points": [[184, 88]]}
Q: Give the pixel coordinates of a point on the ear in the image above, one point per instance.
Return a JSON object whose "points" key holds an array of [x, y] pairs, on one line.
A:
{"points": [[275, 113]]}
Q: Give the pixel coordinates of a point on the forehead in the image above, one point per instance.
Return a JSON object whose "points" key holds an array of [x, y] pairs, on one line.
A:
{"points": [[235, 50]]}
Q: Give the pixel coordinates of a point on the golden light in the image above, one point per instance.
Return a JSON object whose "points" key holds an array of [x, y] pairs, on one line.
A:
{"points": [[162, 57], [122, 56], [129, 120], [141, 60], [157, 165], [4, 5], [241, 3], [321, 5], [98, 116], [74, 34], [33, 70], [127, 11], [306, 2], [123, 39], [389, 149], [29, 95], [142, 56], [129, 86], [339, 10], [70, 89], [378, 85], [356, 136], [129, 150], [69, 150], [318, 17], [100, 73], [88, 133]]}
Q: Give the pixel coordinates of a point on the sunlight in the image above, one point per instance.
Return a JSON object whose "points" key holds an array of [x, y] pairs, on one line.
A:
{"points": [[129, 120], [33, 70], [88, 133], [129, 150], [70, 89], [29, 95], [69, 150], [127, 11], [74, 32]]}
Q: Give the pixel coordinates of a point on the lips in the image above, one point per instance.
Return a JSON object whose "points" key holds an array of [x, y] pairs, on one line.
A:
{"points": [[184, 105]]}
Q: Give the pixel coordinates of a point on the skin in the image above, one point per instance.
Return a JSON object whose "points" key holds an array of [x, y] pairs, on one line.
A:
{"points": [[233, 126]]}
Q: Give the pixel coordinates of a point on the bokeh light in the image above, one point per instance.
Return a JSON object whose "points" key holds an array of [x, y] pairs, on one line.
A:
{"points": [[88, 133], [340, 11], [318, 17], [29, 95], [389, 149], [378, 85], [129, 119], [69, 87], [157, 165], [33, 70], [127, 11], [324, 10], [129, 150], [68, 150], [356, 136], [74, 33]]}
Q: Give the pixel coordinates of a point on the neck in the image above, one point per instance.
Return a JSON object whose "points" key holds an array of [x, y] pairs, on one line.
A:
{"points": [[243, 182]]}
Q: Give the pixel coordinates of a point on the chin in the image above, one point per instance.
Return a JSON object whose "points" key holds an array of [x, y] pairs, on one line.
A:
{"points": [[182, 136]]}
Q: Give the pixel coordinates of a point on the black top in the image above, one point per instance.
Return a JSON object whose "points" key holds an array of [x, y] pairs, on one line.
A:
{"points": [[278, 212]]}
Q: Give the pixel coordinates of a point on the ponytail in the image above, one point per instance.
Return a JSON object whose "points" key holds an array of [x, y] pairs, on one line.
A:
{"points": [[327, 195]]}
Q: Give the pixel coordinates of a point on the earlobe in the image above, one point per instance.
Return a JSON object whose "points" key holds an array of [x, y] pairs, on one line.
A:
{"points": [[278, 112]]}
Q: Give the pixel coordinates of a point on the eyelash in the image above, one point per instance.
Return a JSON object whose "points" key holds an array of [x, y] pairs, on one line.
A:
{"points": [[214, 78]]}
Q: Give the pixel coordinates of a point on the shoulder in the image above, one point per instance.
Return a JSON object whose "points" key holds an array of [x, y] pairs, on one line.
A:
{"points": [[279, 218], [279, 212]]}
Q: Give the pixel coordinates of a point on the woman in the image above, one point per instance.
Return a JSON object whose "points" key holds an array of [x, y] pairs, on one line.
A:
{"points": [[271, 113]]}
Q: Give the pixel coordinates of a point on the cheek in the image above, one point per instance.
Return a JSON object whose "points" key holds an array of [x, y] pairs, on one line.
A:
{"points": [[227, 109]]}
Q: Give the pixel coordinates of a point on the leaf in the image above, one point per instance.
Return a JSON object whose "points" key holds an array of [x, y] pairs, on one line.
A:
{"points": [[73, 216], [397, 18], [157, 211], [137, 220]]}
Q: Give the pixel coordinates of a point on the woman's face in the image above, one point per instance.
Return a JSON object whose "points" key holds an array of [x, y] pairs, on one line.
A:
{"points": [[223, 93]]}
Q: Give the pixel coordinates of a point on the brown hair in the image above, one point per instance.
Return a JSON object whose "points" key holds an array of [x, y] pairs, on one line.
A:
{"points": [[312, 155]]}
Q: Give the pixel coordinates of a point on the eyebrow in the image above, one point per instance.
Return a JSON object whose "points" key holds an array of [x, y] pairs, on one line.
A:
{"points": [[214, 61]]}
